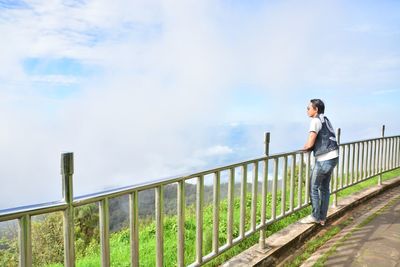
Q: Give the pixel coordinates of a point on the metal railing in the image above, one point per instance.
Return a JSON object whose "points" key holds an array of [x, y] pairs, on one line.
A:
{"points": [[286, 173]]}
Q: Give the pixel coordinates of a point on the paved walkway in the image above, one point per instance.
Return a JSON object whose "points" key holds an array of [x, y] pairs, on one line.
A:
{"points": [[373, 239]]}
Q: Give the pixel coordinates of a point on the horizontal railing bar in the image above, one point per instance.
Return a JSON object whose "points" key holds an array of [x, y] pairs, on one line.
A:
{"points": [[92, 198], [32, 210], [285, 154], [235, 165], [209, 257], [117, 192], [222, 249], [281, 216], [270, 221], [15, 213], [363, 180], [246, 162], [370, 139]]}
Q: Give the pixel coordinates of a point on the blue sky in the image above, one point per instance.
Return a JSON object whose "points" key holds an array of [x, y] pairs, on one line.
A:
{"points": [[141, 90]]}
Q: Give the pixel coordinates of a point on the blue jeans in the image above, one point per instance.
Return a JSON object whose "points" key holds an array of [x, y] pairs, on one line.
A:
{"points": [[320, 179]]}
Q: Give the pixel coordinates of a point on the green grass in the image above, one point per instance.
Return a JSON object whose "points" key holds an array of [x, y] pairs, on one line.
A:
{"points": [[368, 183], [120, 241], [313, 245]]}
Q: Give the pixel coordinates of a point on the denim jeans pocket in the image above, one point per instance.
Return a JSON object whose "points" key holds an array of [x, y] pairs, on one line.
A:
{"points": [[328, 165]]}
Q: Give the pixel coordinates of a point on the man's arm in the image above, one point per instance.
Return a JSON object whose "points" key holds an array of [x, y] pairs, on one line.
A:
{"points": [[310, 141]]}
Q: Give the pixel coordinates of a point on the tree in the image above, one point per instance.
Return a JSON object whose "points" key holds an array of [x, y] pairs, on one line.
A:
{"points": [[47, 239]]}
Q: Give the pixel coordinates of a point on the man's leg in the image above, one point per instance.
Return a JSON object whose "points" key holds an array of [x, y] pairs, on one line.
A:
{"points": [[315, 185], [327, 168]]}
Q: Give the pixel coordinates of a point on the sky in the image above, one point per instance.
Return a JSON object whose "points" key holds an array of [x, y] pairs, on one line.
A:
{"points": [[143, 90]]}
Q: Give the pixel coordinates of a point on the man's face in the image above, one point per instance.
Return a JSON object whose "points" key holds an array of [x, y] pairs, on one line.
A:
{"points": [[311, 111]]}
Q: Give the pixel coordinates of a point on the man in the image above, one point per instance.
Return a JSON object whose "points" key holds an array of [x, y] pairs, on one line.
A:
{"points": [[322, 141]]}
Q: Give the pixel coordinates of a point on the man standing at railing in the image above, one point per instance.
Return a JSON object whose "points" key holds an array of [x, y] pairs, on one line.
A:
{"points": [[322, 141]]}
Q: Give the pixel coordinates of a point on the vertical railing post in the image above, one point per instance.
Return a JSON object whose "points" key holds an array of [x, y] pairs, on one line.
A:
{"points": [[134, 227], [181, 223], [243, 195], [254, 197], [381, 159], [274, 188], [216, 205], [25, 241], [283, 187], [353, 153], [104, 214], [199, 219], [231, 199], [396, 161], [398, 152], [342, 163], [348, 165], [357, 162], [307, 184], [370, 158], [160, 226], [387, 154], [292, 171], [392, 153], [364, 160], [336, 172], [67, 171], [300, 181], [373, 157], [264, 193]]}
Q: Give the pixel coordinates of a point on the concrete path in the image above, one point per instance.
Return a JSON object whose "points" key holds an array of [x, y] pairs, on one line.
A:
{"points": [[375, 244], [373, 239]]}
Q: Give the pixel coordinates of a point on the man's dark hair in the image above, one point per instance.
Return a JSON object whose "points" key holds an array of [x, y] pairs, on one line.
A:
{"points": [[317, 103]]}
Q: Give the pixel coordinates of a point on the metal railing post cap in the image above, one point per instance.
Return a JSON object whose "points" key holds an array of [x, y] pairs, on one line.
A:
{"points": [[266, 143], [67, 163], [267, 137], [338, 134]]}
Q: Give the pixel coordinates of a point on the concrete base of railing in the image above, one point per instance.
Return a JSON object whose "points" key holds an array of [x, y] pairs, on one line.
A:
{"points": [[285, 242]]}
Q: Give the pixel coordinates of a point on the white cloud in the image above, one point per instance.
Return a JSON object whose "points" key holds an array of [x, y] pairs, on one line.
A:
{"points": [[217, 150], [56, 79], [383, 92], [362, 28]]}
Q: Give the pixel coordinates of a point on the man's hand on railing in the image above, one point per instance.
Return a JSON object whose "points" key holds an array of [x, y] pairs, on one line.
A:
{"points": [[303, 150], [312, 137]]}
